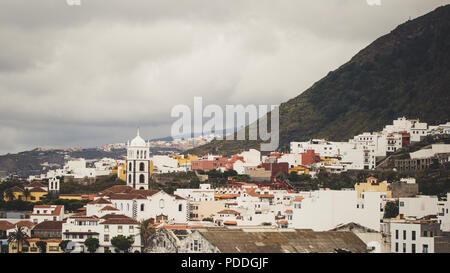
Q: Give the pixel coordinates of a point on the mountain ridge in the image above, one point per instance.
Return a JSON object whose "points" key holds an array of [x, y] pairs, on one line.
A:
{"points": [[403, 73]]}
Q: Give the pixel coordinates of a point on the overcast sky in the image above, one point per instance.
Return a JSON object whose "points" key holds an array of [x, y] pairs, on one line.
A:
{"points": [[81, 76]]}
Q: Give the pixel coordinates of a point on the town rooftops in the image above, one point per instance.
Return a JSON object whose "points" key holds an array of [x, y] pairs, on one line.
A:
{"points": [[109, 208], [5, 225], [99, 201], [16, 189], [37, 189], [55, 212], [228, 211], [120, 221], [25, 223], [113, 216], [229, 240], [49, 225], [36, 184]]}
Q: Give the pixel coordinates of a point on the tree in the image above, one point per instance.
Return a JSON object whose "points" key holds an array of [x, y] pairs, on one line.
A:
{"points": [[20, 237], [63, 245], [146, 230], [92, 244], [9, 194], [391, 210], [122, 243], [26, 194], [42, 246]]}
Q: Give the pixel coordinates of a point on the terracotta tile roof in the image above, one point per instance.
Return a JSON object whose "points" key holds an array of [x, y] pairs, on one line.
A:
{"points": [[113, 216], [99, 201], [80, 214], [145, 193], [49, 225], [178, 197], [45, 240], [25, 223], [81, 233], [283, 222], [16, 189], [5, 225], [252, 192], [298, 199], [288, 211], [117, 189], [228, 211], [36, 184], [37, 189], [230, 223], [108, 208], [126, 196], [120, 221], [82, 209]]}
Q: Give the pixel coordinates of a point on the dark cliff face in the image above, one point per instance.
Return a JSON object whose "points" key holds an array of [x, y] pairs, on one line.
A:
{"points": [[404, 73]]}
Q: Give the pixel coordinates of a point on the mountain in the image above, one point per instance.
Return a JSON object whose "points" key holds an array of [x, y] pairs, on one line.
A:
{"points": [[404, 73]]}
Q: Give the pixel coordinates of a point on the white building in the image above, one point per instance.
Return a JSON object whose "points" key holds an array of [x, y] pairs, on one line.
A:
{"points": [[325, 209], [416, 129], [138, 163], [43, 213], [427, 153], [413, 236], [418, 207], [443, 214]]}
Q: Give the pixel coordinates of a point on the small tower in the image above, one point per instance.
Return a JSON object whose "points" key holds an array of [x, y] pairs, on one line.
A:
{"points": [[138, 163], [53, 186]]}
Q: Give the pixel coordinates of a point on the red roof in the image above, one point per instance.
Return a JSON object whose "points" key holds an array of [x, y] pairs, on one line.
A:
{"points": [[108, 208], [230, 223], [229, 211], [5, 225], [298, 199], [25, 223], [99, 201], [120, 221]]}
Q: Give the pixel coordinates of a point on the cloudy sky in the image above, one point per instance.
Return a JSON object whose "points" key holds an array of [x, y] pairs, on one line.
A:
{"points": [[81, 76]]}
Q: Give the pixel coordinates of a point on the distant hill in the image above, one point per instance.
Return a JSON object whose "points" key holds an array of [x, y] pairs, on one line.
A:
{"points": [[404, 73]]}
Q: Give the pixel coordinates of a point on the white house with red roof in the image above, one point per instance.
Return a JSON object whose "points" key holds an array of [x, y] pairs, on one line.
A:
{"points": [[43, 213]]}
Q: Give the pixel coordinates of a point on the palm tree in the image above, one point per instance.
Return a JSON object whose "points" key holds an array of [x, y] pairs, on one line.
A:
{"points": [[26, 194], [9, 194], [20, 237], [146, 230]]}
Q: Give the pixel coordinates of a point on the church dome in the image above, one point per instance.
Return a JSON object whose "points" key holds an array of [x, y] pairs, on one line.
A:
{"points": [[138, 141]]}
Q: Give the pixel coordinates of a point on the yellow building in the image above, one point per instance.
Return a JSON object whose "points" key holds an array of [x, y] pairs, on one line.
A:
{"points": [[31, 247], [299, 170], [34, 194], [372, 185], [186, 160]]}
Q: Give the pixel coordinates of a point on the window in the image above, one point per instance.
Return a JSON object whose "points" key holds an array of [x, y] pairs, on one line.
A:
{"points": [[130, 168], [180, 207], [106, 238], [425, 248], [161, 203], [404, 247], [396, 247], [142, 207], [141, 178], [404, 235], [119, 229], [413, 235], [396, 234], [106, 228], [141, 166], [413, 248], [131, 228]]}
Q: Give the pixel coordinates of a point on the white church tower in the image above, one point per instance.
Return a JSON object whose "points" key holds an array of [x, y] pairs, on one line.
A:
{"points": [[138, 163]]}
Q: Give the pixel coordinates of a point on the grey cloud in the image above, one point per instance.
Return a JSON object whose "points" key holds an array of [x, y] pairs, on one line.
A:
{"points": [[89, 75]]}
